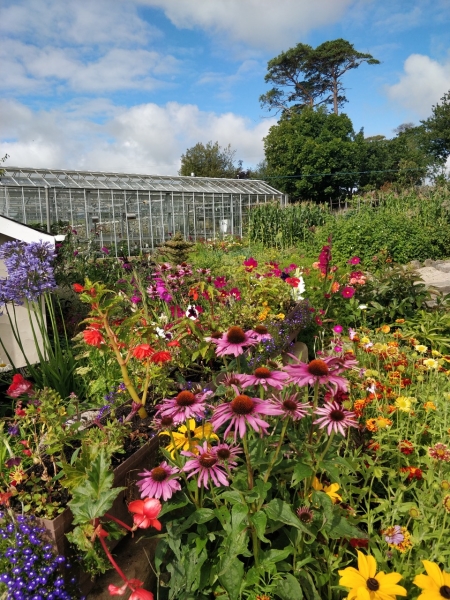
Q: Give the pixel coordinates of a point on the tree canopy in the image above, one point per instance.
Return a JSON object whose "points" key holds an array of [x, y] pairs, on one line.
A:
{"points": [[210, 160], [437, 128], [305, 76]]}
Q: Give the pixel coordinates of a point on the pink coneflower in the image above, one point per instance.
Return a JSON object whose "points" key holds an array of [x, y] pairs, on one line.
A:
{"points": [[185, 405], [348, 291], [291, 407], [226, 453], [265, 377], [206, 463], [159, 483], [440, 452], [339, 364], [335, 418], [259, 333], [233, 342], [317, 371], [241, 411]]}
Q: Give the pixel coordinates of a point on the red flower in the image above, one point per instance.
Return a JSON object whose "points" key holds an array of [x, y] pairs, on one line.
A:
{"points": [[293, 281], [93, 337], [174, 344], [348, 291], [220, 282], [160, 357], [406, 447], [141, 594], [19, 387], [20, 412], [359, 542], [413, 472], [27, 452], [250, 264], [78, 288], [143, 351], [145, 513]]}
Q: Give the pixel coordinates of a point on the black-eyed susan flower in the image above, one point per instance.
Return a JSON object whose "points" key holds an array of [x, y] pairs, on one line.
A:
{"points": [[435, 584], [366, 584]]}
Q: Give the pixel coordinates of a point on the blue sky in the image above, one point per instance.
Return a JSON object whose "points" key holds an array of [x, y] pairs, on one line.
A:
{"points": [[129, 85]]}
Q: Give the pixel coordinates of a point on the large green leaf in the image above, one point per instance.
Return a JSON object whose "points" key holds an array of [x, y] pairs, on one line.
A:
{"points": [[259, 522], [289, 588], [277, 510], [231, 578]]}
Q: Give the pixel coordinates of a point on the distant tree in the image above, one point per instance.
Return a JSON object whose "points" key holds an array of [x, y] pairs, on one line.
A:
{"points": [[312, 155], [437, 128], [304, 76], [210, 160]]}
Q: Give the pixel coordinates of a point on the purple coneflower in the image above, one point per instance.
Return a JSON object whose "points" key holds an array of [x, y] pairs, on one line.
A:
{"points": [[265, 377], [335, 418], [159, 483], [226, 453], [185, 405], [291, 407], [233, 342], [241, 411], [317, 371], [232, 379], [259, 333], [205, 462]]}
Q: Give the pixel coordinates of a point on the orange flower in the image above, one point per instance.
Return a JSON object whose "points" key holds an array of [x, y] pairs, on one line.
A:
{"points": [[385, 329], [413, 472], [335, 287], [371, 425]]}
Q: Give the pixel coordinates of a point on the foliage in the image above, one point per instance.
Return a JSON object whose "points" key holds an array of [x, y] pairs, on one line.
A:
{"points": [[438, 128], [175, 250], [210, 160], [304, 76]]}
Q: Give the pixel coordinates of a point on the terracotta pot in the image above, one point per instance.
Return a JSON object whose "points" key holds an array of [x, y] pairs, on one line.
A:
{"points": [[125, 475]]}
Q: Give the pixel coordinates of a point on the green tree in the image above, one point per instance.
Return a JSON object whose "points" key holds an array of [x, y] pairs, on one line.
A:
{"points": [[210, 160], [437, 128], [304, 76], [305, 150]]}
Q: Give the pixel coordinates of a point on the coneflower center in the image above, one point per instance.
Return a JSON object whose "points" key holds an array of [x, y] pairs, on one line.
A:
{"points": [[223, 453], [236, 335], [242, 405], [445, 591], [289, 404], [159, 474], [318, 367], [216, 335], [207, 460], [185, 399], [337, 415], [262, 372], [261, 330], [166, 422], [373, 584]]}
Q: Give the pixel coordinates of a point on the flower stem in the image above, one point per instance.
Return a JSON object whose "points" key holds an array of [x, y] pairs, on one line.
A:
{"points": [[249, 464], [118, 521]]}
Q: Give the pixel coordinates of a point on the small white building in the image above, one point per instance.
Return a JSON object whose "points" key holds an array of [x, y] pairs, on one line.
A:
{"points": [[11, 230]]}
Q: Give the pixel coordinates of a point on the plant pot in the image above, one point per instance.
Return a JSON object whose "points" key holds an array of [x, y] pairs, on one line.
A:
{"points": [[125, 475]]}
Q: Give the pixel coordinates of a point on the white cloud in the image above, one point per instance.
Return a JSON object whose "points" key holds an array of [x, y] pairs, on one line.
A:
{"points": [[262, 24], [421, 85], [143, 139]]}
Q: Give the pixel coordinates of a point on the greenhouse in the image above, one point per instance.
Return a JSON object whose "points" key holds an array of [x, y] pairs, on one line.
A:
{"points": [[135, 212]]}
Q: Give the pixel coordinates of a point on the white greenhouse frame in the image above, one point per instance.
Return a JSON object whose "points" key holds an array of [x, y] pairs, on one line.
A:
{"points": [[138, 211]]}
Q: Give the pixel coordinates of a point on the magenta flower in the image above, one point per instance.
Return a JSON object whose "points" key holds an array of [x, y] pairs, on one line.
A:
{"points": [[348, 291], [205, 462], [291, 407], [265, 377], [235, 293], [355, 260], [159, 483], [233, 342], [135, 299], [240, 412], [335, 418], [250, 264], [317, 371], [226, 453], [325, 259], [105, 250], [220, 282], [259, 333], [338, 329], [185, 405]]}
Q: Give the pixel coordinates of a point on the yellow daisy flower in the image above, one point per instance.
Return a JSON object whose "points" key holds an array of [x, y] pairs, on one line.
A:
{"points": [[420, 348], [403, 403], [435, 585], [429, 406], [330, 490], [383, 422], [431, 363], [188, 436], [366, 584]]}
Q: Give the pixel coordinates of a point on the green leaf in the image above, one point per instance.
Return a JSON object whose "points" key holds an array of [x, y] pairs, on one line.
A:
{"points": [[231, 578], [259, 522], [309, 589], [277, 510], [239, 513], [301, 472], [289, 588]]}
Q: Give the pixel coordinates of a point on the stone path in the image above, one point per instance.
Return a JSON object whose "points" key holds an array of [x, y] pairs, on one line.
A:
{"points": [[435, 273]]}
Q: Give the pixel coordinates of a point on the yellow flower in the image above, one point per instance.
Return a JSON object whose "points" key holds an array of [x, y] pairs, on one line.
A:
{"points": [[366, 584], [420, 348], [429, 406], [187, 438], [435, 353], [330, 490], [280, 316], [431, 363], [403, 403], [435, 585], [383, 422], [385, 329], [365, 340]]}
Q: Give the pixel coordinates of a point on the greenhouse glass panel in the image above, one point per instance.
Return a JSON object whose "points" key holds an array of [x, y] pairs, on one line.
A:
{"points": [[131, 213]]}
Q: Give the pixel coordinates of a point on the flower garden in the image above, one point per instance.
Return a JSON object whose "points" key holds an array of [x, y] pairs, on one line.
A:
{"points": [[297, 409]]}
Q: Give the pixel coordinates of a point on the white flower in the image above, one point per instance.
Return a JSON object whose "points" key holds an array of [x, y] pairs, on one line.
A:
{"points": [[191, 312], [363, 307], [4, 367]]}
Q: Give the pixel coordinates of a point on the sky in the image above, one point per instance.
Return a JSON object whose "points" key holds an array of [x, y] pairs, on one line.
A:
{"points": [[128, 85]]}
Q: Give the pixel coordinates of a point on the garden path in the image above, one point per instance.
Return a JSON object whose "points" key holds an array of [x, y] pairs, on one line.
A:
{"points": [[435, 273]]}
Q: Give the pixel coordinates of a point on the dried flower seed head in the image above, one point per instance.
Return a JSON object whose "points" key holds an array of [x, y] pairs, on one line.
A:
{"points": [[242, 405], [318, 367], [185, 398], [446, 505], [236, 335], [167, 422]]}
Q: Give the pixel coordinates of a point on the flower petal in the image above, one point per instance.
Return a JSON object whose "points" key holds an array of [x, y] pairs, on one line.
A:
{"points": [[434, 572]]}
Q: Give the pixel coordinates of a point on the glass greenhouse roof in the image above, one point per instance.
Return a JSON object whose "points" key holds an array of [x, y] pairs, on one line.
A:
{"points": [[16, 176]]}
